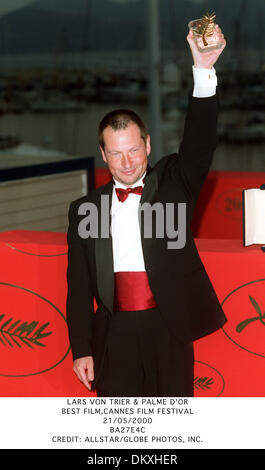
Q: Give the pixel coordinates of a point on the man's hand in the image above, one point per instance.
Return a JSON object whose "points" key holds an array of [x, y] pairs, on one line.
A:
{"points": [[84, 369], [205, 60]]}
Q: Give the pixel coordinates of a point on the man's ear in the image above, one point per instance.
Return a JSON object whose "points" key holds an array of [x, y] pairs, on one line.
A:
{"points": [[103, 154], [148, 144]]}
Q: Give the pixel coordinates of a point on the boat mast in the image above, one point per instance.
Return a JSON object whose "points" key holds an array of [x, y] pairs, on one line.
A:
{"points": [[82, 68], [153, 54]]}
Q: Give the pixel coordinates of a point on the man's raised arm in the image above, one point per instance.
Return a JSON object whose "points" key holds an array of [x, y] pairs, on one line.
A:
{"points": [[200, 137]]}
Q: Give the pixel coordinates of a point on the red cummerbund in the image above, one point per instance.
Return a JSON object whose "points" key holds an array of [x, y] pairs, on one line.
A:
{"points": [[132, 291]]}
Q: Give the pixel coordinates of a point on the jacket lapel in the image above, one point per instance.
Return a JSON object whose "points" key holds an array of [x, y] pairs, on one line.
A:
{"points": [[150, 186], [148, 196], [104, 255]]}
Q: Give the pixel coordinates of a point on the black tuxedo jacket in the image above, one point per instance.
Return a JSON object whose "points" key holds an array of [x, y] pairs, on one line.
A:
{"points": [[177, 277]]}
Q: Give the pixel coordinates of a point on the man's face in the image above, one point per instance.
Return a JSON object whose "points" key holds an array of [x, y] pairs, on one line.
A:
{"points": [[126, 153]]}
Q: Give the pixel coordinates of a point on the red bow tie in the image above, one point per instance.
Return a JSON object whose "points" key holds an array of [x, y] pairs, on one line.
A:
{"points": [[124, 193]]}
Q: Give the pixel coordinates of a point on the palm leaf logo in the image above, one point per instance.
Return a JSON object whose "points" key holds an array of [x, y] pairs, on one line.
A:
{"points": [[203, 383], [260, 317], [17, 333], [205, 27]]}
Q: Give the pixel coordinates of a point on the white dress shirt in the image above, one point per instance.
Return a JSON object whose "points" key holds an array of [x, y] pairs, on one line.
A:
{"points": [[125, 229]]}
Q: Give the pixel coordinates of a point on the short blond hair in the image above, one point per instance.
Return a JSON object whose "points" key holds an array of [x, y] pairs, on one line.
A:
{"points": [[119, 119]]}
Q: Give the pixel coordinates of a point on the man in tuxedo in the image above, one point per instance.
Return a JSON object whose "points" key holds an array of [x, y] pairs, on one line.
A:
{"points": [[152, 301]]}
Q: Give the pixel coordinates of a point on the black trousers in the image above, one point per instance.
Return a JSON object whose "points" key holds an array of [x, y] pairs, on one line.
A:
{"points": [[143, 358]]}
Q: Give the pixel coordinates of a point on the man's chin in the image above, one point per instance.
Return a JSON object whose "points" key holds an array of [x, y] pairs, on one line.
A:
{"points": [[128, 179]]}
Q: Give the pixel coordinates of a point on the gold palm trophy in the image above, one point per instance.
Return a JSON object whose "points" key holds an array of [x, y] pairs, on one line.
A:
{"points": [[205, 32]]}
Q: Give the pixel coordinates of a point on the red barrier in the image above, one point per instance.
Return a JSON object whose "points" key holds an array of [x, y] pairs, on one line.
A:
{"points": [[36, 360], [33, 292], [235, 355], [102, 176], [218, 212]]}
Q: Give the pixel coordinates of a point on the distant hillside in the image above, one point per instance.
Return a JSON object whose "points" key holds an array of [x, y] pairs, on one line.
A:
{"points": [[65, 25]]}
